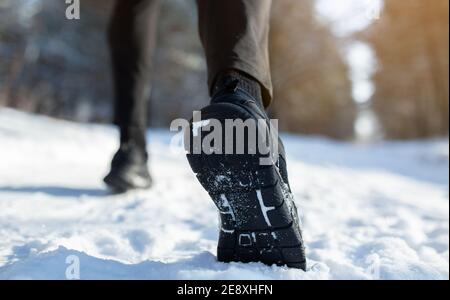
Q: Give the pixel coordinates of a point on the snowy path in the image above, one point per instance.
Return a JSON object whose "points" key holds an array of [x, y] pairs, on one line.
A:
{"points": [[368, 212]]}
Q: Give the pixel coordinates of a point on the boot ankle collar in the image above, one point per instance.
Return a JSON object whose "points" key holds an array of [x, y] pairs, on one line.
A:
{"points": [[232, 81]]}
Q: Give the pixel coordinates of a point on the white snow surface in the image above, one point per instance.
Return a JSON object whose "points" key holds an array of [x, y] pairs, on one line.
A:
{"points": [[368, 211]]}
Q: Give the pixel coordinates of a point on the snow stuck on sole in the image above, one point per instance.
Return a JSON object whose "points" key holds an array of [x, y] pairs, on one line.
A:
{"points": [[368, 212]]}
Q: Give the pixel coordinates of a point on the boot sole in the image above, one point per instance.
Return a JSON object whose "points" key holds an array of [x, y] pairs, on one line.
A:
{"points": [[259, 221], [118, 184]]}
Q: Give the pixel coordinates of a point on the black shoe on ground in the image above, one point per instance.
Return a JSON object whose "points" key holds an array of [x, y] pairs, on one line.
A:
{"points": [[129, 170], [259, 221]]}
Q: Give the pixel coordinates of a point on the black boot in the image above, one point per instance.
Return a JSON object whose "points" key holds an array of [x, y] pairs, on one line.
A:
{"points": [[129, 166], [259, 221]]}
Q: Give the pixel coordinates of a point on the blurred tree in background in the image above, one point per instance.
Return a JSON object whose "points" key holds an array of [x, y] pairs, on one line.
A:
{"points": [[411, 41], [312, 88], [51, 65], [179, 81], [57, 67]]}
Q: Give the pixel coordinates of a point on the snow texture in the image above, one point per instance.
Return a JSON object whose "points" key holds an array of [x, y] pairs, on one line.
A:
{"points": [[369, 211]]}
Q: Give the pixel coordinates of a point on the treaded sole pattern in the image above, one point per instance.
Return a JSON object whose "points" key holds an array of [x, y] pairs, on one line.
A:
{"points": [[259, 221], [258, 217]]}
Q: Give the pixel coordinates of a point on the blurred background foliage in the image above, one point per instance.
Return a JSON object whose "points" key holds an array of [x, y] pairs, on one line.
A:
{"points": [[411, 43], [57, 67]]}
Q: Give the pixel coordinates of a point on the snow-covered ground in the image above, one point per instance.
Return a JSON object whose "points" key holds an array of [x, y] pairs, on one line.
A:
{"points": [[379, 211]]}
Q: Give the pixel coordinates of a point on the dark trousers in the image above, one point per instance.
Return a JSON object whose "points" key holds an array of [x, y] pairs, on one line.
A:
{"points": [[234, 34]]}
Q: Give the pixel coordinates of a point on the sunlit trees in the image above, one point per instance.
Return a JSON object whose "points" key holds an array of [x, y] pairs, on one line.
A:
{"points": [[311, 80], [411, 41]]}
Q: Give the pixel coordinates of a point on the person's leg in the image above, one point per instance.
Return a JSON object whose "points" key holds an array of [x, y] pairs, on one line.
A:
{"points": [[131, 38], [131, 35], [259, 221], [235, 35]]}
